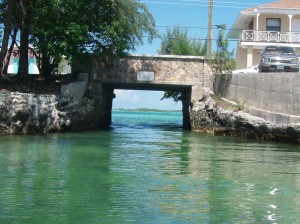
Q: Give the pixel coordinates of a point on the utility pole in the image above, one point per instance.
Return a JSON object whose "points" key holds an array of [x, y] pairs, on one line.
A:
{"points": [[209, 31]]}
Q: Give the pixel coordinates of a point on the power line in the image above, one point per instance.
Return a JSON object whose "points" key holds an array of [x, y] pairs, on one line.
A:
{"points": [[237, 3], [192, 4], [189, 38], [194, 27], [205, 1]]}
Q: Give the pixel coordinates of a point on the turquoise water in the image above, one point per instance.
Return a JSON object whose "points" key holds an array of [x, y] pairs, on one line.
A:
{"points": [[147, 170]]}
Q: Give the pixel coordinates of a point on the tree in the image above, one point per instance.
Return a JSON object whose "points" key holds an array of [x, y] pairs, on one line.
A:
{"points": [[7, 10], [56, 28], [77, 28], [24, 40], [222, 61], [177, 42]]}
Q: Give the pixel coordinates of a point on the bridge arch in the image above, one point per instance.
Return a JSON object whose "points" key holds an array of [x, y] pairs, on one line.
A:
{"points": [[187, 74], [109, 88]]}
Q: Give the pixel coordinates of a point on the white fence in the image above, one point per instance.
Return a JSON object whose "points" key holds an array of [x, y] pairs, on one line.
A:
{"points": [[269, 36]]}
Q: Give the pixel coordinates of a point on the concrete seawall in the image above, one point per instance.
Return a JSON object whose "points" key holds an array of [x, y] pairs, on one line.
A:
{"points": [[272, 96]]}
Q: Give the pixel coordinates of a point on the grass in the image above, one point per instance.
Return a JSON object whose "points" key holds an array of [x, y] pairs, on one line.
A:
{"points": [[229, 105]]}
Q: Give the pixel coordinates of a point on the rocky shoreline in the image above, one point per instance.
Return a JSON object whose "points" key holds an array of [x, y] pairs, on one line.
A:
{"points": [[208, 117], [30, 113]]}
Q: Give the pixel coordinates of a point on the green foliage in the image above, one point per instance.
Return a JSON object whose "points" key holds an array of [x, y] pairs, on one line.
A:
{"points": [[90, 26], [222, 61], [177, 42], [76, 28], [240, 106], [229, 105], [176, 96], [63, 63]]}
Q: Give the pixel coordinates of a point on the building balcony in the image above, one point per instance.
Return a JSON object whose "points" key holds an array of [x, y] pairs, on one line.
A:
{"points": [[265, 37]]}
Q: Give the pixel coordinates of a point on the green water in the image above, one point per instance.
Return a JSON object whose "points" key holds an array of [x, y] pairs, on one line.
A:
{"points": [[147, 170]]}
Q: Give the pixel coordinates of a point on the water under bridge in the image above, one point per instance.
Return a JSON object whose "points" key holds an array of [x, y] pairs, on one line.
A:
{"points": [[189, 75]]}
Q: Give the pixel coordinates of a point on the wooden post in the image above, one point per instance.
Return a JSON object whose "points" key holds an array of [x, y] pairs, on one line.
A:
{"points": [[209, 31]]}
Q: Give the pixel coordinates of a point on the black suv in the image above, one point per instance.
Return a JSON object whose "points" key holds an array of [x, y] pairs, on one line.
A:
{"points": [[278, 58]]}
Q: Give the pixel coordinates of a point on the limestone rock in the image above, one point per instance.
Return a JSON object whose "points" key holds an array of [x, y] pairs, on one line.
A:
{"points": [[208, 117], [25, 113]]}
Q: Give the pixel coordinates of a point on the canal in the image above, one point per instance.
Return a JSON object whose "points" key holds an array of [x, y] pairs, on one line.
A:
{"points": [[145, 169]]}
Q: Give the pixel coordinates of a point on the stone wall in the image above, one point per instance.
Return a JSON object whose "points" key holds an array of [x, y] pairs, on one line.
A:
{"points": [[28, 113], [272, 96], [166, 68], [190, 75], [76, 89]]}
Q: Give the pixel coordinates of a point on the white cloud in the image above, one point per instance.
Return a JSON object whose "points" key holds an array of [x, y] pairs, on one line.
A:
{"points": [[143, 99], [120, 91], [127, 95]]}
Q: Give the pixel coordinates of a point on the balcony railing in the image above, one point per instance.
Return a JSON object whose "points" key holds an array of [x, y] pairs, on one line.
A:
{"points": [[269, 36]]}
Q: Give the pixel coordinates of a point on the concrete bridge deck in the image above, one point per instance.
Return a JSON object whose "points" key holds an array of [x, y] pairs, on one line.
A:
{"points": [[187, 74]]}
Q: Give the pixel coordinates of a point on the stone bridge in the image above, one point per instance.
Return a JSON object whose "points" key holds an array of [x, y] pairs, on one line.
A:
{"points": [[189, 75]]}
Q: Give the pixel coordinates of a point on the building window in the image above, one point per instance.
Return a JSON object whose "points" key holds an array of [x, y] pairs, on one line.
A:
{"points": [[273, 25], [250, 26]]}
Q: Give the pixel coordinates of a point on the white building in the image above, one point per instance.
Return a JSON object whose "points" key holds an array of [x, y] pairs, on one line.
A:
{"points": [[276, 23], [14, 63], [32, 68]]}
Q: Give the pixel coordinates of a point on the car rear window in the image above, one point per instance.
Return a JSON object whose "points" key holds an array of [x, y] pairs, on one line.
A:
{"points": [[279, 50]]}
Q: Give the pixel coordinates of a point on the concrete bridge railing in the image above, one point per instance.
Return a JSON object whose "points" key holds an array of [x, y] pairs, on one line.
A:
{"points": [[163, 70]]}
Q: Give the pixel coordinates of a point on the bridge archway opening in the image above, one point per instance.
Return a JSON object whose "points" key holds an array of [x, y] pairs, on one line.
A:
{"points": [[143, 99], [184, 89]]}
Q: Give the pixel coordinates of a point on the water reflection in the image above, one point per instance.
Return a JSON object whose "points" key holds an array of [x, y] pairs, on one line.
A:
{"points": [[30, 175], [132, 174]]}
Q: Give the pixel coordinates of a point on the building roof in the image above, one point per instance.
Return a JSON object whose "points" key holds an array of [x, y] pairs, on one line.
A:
{"points": [[279, 7], [281, 4]]}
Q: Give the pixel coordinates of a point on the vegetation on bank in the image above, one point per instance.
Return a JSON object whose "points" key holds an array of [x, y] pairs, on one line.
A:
{"points": [[229, 105], [221, 61], [34, 84], [177, 42], [55, 29]]}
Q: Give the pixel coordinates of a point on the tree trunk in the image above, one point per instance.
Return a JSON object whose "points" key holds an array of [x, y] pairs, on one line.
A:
{"points": [[10, 50], [46, 67], [24, 41], [7, 29]]}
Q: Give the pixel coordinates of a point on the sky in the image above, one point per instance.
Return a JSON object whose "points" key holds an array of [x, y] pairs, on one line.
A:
{"points": [[192, 14]]}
